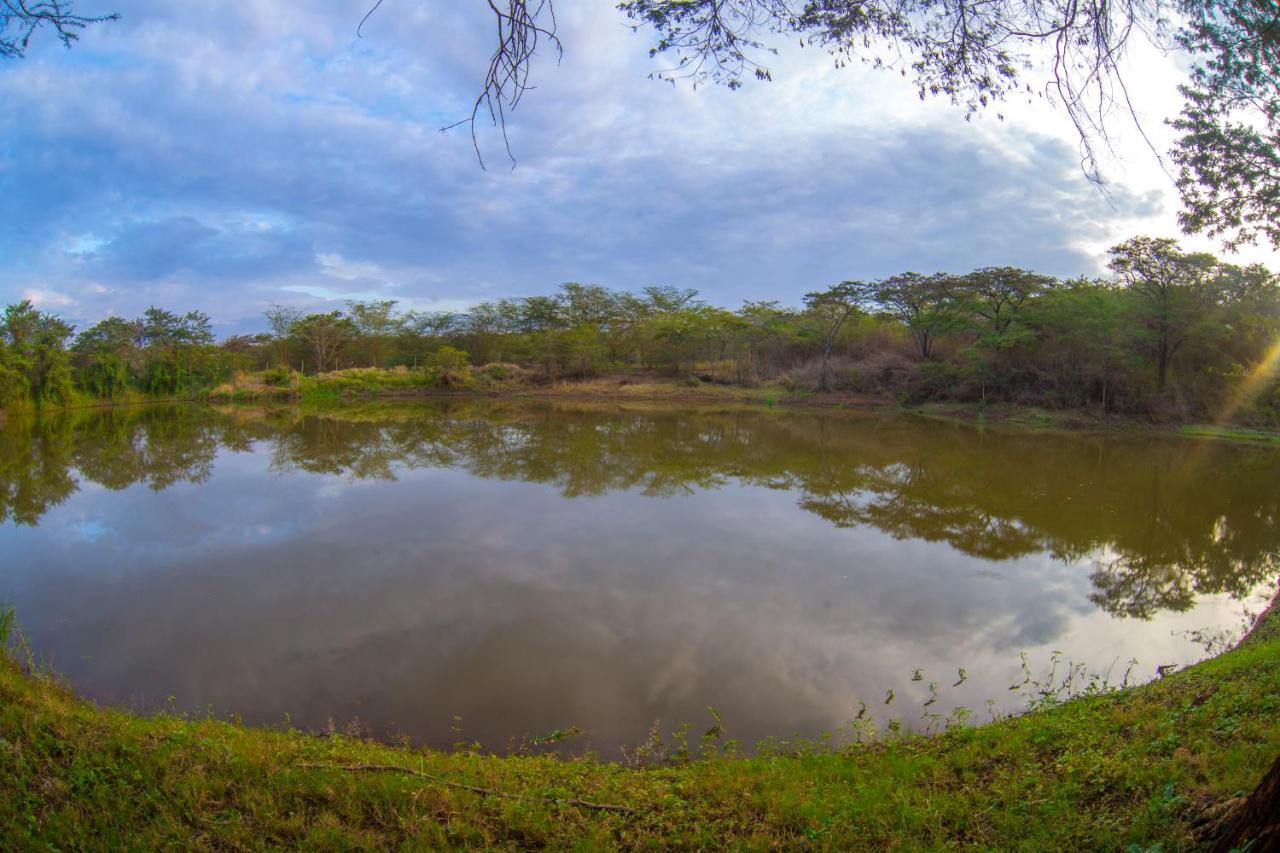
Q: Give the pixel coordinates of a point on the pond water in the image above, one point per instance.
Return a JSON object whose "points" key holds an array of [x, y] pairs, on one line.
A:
{"points": [[508, 570]]}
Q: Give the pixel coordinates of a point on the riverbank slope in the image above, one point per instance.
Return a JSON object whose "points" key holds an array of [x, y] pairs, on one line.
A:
{"points": [[365, 385], [694, 391], [1139, 766]]}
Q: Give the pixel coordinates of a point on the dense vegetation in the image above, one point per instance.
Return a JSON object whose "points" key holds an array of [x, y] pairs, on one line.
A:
{"points": [[1171, 334], [159, 355], [1144, 768]]}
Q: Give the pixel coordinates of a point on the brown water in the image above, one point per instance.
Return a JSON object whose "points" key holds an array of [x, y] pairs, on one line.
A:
{"points": [[530, 568]]}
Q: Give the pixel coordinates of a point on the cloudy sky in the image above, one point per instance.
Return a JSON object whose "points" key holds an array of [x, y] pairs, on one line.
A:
{"points": [[228, 156]]}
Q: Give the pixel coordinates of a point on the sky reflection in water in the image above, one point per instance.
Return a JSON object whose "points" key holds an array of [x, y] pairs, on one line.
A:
{"points": [[529, 568]]}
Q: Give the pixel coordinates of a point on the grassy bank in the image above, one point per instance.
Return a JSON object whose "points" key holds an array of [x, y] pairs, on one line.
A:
{"points": [[367, 386], [81, 400], [512, 382], [1230, 433], [500, 380], [1133, 767], [1008, 416]]}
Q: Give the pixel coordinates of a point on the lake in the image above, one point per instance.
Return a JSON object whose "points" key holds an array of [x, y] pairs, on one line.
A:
{"points": [[492, 572]]}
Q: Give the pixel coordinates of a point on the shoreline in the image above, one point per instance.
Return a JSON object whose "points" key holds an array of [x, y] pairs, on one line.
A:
{"points": [[1142, 765], [676, 394]]}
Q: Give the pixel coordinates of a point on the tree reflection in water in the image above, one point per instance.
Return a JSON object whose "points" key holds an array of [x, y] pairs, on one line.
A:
{"points": [[1162, 520]]}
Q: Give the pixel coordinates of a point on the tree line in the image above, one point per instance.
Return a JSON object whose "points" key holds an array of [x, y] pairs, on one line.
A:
{"points": [[1169, 332], [160, 354]]}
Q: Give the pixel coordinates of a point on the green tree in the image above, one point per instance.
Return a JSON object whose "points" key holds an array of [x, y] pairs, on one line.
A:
{"points": [[1083, 338], [997, 295], [924, 304], [541, 314], [589, 304], [164, 328], [679, 335], [376, 324], [772, 334], [13, 379], [1228, 165], [114, 335], [105, 376], [105, 356], [281, 319], [995, 298], [581, 350], [36, 345], [1173, 291], [488, 326], [833, 307], [325, 337], [178, 355], [665, 299]]}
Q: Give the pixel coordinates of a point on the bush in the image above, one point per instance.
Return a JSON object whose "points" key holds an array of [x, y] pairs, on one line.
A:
{"points": [[57, 386], [504, 374], [106, 376], [449, 367], [933, 380], [14, 387], [883, 372], [886, 372], [279, 377]]}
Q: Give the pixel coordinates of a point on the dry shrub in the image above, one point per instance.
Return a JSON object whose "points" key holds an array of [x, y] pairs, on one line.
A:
{"points": [[884, 372], [505, 373]]}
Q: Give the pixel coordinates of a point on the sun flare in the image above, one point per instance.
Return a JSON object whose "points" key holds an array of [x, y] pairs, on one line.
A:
{"points": [[1266, 372]]}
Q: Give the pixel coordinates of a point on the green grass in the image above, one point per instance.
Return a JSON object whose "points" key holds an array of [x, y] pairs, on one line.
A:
{"points": [[82, 400], [1014, 416], [1231, 433], [338, 385], [360, 382], [1104, 772]]}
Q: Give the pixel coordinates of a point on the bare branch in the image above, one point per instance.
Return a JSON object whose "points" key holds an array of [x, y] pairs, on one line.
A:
{"points": [[20, 19], [521, 27]]}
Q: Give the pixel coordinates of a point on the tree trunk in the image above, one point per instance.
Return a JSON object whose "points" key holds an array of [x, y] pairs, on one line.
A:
{"points": [[826, 357], [1162, 369], [1256, 821], [922, 346]]}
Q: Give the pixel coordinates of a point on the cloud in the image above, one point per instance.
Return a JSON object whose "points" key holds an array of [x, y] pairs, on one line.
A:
{"points": [[184, 245], [226, 160], [47, 299]]}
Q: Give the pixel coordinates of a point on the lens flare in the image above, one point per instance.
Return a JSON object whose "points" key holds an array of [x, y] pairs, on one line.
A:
{"points": [[1267, 371]]}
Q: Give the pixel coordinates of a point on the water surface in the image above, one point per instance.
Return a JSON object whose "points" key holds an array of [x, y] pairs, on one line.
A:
{"points": [[527, 568]]}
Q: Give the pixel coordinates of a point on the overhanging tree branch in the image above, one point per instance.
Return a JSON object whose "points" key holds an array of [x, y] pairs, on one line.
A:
{"points": [[521, 27], [20, 19]]}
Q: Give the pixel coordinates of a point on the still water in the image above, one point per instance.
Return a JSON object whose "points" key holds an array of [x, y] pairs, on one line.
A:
{"points": [[508, 570]]}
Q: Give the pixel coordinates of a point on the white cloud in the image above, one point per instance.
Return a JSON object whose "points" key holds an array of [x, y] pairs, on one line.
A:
{"points": [[225, 159], [45, 299]]}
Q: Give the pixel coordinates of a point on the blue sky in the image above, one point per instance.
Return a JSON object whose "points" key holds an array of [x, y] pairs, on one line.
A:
{"points": [[228, 156]]}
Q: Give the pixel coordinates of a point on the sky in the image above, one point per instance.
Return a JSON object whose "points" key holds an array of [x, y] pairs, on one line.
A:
{"points": [[225, 157]]}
